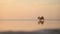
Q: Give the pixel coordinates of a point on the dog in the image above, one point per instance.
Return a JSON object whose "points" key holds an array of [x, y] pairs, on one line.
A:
{"points": [[41, 20]]}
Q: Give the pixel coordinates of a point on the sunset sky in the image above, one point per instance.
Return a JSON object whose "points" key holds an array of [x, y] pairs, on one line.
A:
{"points": [[28, 9]]}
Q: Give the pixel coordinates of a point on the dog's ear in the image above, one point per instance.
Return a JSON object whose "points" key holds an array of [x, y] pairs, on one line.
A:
{"points": [[38, 17]]}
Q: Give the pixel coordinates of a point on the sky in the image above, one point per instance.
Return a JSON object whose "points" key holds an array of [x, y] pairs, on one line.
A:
{"points": [[30, 9]]}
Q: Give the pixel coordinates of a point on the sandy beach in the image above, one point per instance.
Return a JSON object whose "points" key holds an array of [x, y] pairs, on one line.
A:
{"points": [[28, 9]]}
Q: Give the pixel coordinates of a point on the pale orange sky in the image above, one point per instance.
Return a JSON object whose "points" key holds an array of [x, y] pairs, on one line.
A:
{"points": [[28, 9]]}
